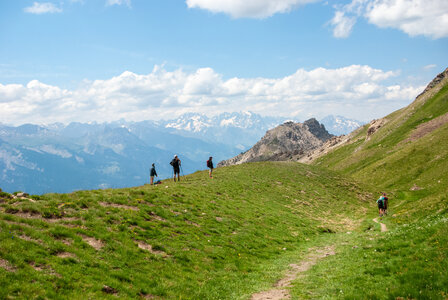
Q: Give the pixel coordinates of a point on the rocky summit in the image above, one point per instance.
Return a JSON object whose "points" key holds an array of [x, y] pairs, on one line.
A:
{"points": [[289, 141]]}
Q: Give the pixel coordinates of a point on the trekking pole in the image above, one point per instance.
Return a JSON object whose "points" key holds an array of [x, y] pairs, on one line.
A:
{"points": [[182, 170]]}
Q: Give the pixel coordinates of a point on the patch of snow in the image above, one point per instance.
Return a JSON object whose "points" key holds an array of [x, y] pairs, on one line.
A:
{"points": [[33, 149], [228, 122], [117, 148], [52, 150], [16, 159]]}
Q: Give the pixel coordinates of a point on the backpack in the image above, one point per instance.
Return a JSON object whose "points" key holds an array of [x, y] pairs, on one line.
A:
{"points": [[208, 164], [175, 163]]}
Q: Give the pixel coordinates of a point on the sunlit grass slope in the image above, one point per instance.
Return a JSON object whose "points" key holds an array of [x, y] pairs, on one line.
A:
{"points": [[407, 262], [221, 238], [408, 158]]}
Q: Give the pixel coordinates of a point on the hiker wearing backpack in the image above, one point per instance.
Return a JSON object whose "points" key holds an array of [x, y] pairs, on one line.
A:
{"points": [[210, 166], [386, 202], [380, 203], [176, 167], [152, 173]]}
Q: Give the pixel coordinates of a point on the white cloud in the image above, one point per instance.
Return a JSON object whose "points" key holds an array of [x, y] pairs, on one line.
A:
{"points": [[118, 2], [429, 67], [166, 94], [42, 8], [343, 25], [414, 17], [399, 92], [247, 8]]}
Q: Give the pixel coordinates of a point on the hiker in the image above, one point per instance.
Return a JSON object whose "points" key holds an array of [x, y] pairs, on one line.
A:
{"points": [[152, 173], [176, 167], [210, 166], [380, 203], [386, 202]]}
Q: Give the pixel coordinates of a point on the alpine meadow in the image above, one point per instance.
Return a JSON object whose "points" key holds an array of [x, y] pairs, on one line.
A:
{"points": [[224, 149], [263, 229]]}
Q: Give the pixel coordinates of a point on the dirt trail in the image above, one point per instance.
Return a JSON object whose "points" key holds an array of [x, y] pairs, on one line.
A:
{"points": [[280, 290], [383, 226]]}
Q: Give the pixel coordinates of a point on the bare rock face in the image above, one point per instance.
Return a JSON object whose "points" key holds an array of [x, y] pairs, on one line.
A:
{"points": [[374, 126], [438, 79], [285, 142]]}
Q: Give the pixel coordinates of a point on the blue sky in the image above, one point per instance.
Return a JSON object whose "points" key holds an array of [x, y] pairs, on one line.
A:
{"points": [[102, 60]]}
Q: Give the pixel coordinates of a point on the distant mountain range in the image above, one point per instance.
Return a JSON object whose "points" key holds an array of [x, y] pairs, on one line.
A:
{"points": [[240, 130], [338, 125], [62, 158]]}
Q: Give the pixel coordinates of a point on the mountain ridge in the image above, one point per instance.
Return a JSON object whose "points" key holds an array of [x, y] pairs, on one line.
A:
{"points": [[284, 142], [98, 155], [379, 129]]}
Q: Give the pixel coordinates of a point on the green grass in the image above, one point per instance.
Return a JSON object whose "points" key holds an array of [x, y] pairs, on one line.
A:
{"points": [[410, 260], [224, 238], [388, 158], [391, 162], [370, 265], [235, 235]]}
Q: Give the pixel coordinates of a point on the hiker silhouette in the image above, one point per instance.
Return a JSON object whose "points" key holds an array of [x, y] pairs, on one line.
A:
{"points": [[176, 163], [152, 173], [210, 166], [382, 204]]}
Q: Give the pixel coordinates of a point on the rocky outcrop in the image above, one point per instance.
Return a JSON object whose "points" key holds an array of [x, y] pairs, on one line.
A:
{"points": [[328, 146], [288, 141], [438, 79], [374, 126]]}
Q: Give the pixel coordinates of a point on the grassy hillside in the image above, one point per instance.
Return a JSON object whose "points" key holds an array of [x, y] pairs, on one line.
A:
{"points": [[408, 158], [224, 238]]}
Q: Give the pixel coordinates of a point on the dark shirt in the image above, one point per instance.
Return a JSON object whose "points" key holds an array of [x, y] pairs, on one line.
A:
{"points": [[153, 172], [175, 163]]}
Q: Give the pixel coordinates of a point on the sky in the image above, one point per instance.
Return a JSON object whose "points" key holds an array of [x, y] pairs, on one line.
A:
{"points": [[106, 60]]}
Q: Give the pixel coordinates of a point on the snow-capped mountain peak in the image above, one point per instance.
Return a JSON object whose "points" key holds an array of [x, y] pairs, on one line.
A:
{"points": [[201, 123], [190, 122], [339, 125]]}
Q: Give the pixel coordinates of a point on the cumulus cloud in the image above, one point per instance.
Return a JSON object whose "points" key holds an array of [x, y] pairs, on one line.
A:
{"points": [[414, 17], [42, 8], [161, 94], [247, 8]]}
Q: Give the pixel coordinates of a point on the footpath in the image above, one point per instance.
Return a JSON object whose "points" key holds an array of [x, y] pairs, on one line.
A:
{"points": [[383, 226], [280, 290]]}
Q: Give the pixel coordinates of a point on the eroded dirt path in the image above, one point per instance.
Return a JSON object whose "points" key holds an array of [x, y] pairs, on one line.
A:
{"points": [[280, 290], [383, 226]]}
